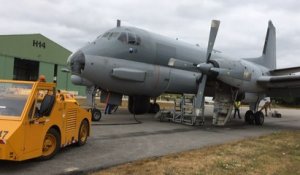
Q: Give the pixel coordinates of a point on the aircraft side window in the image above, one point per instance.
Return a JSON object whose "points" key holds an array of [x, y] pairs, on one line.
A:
{"points": [[131, 38], [138, 40], [123, 37]]}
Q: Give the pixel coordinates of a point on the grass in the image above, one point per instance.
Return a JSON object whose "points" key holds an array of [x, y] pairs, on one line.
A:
{"points": [[278, 153]]}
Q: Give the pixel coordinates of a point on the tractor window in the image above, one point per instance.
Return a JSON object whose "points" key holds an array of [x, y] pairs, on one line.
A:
{"points": [[13, 97], [44, 101], [123, 37]]}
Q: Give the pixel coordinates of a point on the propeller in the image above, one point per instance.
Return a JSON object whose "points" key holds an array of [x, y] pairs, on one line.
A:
{"points": [[201, 88]]}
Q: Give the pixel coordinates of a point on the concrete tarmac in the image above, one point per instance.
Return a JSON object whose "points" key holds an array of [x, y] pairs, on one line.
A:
{"points": [[118, 139]]}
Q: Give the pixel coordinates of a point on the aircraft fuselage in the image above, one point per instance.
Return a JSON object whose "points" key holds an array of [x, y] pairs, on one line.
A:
{"points": [[132, 61]]}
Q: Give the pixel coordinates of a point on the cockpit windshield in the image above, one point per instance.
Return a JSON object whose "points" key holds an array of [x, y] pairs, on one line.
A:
{"points": [[110, 35], [13, 97], [123, 37]]}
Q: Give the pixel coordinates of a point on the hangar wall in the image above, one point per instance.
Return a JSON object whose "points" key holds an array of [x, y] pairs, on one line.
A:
{"points": [[20, 55]]}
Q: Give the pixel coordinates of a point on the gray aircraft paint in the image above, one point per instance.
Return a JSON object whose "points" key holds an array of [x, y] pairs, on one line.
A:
{"points": [[105, 56]]}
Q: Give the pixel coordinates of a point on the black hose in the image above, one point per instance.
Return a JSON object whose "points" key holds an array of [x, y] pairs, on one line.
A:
{"points": [[134, 123]]}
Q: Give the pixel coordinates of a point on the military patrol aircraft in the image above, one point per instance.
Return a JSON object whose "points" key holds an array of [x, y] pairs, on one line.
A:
{"points": [[143, 65]]}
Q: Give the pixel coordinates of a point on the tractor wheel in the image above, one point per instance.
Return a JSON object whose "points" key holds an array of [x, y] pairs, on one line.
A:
{"points": [[83, 133], [51, 144]]}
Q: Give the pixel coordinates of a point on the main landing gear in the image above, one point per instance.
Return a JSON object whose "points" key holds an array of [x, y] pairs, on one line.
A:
{"points": [[258, 117], [142, 105]]}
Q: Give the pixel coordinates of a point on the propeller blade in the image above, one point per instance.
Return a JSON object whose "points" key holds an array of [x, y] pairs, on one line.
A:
{"points": [[200, 94], [212, 37]]}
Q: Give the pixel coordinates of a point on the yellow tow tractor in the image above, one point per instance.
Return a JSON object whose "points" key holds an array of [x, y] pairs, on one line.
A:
{"points": [[36, 120]]}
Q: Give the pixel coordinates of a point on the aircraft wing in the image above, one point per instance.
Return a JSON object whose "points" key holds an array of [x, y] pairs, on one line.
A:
{"points": [[281, 86]]}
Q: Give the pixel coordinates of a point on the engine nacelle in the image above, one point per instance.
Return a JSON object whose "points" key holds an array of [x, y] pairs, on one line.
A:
{"points": [[240, 74]]}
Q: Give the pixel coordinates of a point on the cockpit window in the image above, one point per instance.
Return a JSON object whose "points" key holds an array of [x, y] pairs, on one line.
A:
{"points": [[138, 40], [105, 34], [123, 37], [113, 35], [100, 36], [131, 38]]}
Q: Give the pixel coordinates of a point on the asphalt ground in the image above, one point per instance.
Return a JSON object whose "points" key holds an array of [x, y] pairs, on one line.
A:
{"points": [[118, 139]]}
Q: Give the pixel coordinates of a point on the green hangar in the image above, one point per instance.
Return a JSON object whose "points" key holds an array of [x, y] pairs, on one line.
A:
{"points": [[25, 57]]}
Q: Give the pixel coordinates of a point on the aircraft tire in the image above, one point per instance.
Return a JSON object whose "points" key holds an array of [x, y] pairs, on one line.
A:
{"points": [[154, 108], [138, 104], [259, 118], [96, 114], [249, 117]]}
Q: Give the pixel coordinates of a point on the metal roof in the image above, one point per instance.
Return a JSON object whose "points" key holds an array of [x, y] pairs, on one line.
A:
{"points": [[33, 47]]}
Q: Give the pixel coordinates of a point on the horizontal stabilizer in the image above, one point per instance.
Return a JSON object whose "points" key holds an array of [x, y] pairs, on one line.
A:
{"points": [[281, 86], [284, 81]]}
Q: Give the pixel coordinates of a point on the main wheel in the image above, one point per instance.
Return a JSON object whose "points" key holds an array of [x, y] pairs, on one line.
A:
{"points": [[51, 144], [259, 118], [83, 133], [249, 117], [96, 114], [138, 104], [154, 108]]}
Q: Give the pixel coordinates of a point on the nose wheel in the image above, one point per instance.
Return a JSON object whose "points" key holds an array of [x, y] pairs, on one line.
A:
{"points": [[90, 95], [96, 114]]}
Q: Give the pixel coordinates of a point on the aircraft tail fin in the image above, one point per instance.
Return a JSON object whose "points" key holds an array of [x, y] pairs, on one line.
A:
{"points": [[268, 58]]}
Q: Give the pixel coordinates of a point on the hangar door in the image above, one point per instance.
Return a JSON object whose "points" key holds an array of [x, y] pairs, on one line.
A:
{"points": [[26, 70]]}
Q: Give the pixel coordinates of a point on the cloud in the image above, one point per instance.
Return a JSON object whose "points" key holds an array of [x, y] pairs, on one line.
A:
{"points": [[73, 23]]}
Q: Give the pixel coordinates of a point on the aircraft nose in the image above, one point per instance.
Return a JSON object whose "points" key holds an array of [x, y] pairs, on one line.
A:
{"points": [[77, 62]]}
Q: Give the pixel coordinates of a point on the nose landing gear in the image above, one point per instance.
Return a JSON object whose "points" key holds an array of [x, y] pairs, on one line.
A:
{"points": [[90, 96]]}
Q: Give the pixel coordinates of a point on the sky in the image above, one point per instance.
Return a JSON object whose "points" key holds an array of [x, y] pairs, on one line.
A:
{"points": [[73, 23]]}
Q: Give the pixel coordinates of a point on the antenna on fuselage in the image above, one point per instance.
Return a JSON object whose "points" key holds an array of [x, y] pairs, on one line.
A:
{"points": [[118, 23]]}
